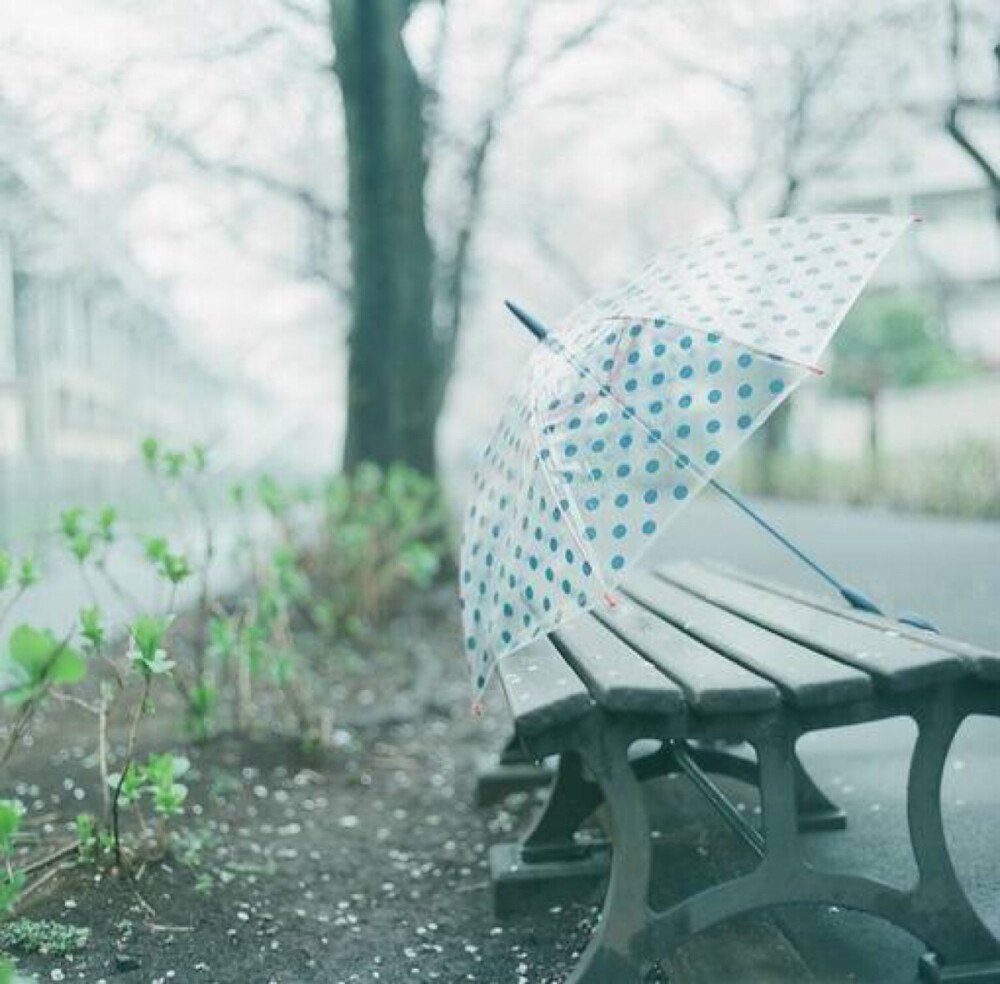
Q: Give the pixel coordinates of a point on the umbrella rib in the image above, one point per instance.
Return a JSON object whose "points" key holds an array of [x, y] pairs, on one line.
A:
{"points": [[731, 339], [571, 518]]}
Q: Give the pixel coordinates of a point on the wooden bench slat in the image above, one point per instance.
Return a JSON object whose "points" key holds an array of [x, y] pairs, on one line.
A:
{"points": [[711, 683], [542, 689], [616, 674], [984, 662], [807, 677], [897, 662]]}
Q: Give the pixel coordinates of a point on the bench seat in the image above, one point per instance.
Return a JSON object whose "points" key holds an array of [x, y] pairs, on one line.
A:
{"points": [[691, 655]]}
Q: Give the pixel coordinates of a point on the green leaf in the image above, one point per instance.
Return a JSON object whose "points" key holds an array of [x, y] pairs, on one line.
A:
{"points": [[199, 457], [10, 889], [106, 520], [82, 545], [91, 627], [6, 568], [420, 563], [147, 633], [150, 451], [11, 812], [166, 768], [173, 463], [42, 659], [132, 786], [169, 800], [71, 521], [222, 636], [175, 567], [28, 574]]}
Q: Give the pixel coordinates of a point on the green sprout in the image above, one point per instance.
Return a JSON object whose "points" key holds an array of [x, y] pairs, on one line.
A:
{"points": [[147, 635], [91, 627], [199, 457], [129, 784], [12, 882], [271, 495], [174, 463], [106, 520], [28, 573], [150, 451], [162, 773]]}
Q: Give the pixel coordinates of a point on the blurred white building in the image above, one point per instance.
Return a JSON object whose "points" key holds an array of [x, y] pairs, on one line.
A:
{"points": [[90, 361], [89, 358]]}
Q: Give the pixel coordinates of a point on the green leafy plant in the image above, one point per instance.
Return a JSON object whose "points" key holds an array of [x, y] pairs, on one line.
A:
{"points": [[182, 474], [169, 795], [383, 530], [11, 812]]}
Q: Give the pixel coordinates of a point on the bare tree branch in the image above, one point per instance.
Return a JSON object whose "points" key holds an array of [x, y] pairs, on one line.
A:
{"points": [[300, 195], [952, 121]]}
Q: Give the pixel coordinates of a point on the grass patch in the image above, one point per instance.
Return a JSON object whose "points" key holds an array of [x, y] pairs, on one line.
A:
{"points": [[45, 936]]}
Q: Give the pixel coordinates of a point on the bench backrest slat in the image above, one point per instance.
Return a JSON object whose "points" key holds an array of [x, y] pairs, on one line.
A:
{"points": [[542, 689], [711, 683], [807, 677], [893, 660], [618, 677]]}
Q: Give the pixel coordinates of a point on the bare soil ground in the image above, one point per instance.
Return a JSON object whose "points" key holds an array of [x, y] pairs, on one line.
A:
{"points": [[364, 863]]}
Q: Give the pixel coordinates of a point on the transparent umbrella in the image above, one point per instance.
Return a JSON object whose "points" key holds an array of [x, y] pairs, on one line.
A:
{"points": [[633, 402]]}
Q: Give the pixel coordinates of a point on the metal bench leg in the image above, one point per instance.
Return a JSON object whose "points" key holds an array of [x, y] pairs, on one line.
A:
{"points": [[511, 771], [619, 948], [572, 799], [966, 950], [549, 864], [816, 811], [936, 911]]}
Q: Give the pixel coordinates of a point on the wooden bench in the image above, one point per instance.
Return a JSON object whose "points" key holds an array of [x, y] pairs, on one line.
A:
{"points": [[695, 662]]}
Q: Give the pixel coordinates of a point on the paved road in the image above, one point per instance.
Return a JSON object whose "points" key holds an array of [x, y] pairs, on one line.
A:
{"points": [[949, 572]]}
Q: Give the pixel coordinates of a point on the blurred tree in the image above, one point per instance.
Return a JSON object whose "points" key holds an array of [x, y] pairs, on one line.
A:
{"points": [[891, 340], [807, 86], [392, 365], [962, 104], [408, 291]]}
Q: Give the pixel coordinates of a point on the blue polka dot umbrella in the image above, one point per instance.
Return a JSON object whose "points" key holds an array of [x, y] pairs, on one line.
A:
{"points": [[632, 403]]}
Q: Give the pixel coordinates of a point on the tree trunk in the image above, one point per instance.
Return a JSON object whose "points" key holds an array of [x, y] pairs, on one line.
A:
{"points": [[874, 449], [394, 395]]}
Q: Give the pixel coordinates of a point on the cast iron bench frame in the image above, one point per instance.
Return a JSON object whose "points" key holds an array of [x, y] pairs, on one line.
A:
{"points": [[698, 659]]}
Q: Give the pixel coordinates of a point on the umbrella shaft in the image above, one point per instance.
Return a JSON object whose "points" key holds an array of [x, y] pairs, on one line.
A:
{"points": [[854, 597]]}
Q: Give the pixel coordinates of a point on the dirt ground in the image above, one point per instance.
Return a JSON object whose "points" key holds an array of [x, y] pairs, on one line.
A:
{"points": [[367, 863]]}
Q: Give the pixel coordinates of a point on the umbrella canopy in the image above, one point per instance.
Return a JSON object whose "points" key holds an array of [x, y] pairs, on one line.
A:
{"points": [[631, 405]]}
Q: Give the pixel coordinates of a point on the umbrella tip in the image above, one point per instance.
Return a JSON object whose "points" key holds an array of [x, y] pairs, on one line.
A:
{"points": [[532, 324]]}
